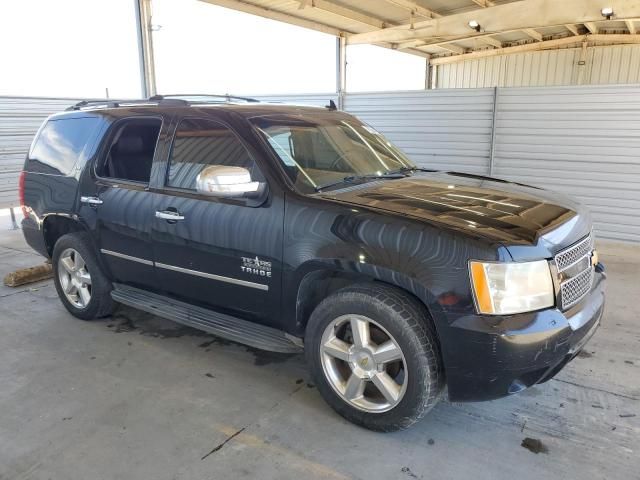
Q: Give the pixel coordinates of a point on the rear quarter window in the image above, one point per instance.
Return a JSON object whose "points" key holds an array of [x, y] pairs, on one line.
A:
{"points": [[61, 144]]}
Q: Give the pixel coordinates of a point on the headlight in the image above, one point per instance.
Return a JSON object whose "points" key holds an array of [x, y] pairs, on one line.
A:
{"points": [[506, 288]]}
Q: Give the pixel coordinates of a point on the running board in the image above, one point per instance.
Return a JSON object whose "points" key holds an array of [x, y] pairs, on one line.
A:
{"points": [[219, 324]]}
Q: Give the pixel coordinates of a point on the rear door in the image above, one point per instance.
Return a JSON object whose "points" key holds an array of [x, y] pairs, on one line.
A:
{"points": [[119, 200], [221, 253]]}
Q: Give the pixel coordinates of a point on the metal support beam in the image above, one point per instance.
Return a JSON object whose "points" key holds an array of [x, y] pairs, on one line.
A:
{"points": [[427, 74], [145, 48], [343, 12], [491, 41], [341, 70], [532, 47], [433, 70], [537, 36], [413, 7], [572, 28], [592, 27], [484, 3], [519, 15], [264, 12], [451, 48], [631, 26]]}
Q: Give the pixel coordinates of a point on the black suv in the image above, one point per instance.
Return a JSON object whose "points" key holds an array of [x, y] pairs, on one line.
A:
{"points": [[286, 227]]}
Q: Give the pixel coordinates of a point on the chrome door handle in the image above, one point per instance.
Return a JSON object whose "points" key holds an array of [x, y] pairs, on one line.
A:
{"points": [[169, 215], [91, 200]]}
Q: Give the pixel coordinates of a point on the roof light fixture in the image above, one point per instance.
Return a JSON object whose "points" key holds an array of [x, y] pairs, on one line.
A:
{"points": [[607, 12], [474, 25]]}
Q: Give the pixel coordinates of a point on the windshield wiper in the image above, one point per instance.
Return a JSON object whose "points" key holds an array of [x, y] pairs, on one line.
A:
{"points": [[403, 170], [355, 178]]}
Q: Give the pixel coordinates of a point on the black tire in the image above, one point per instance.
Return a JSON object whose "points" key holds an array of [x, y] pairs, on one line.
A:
{"points": [[101, 303], [408, 322]]}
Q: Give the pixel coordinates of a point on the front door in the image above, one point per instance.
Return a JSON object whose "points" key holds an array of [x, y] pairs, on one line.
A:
{"points": [[221, 253]]}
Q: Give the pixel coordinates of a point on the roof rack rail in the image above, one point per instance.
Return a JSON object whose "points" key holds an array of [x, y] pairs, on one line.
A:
{"points": [[204, 98], [168, 100], [123, 103], [92, 103]]}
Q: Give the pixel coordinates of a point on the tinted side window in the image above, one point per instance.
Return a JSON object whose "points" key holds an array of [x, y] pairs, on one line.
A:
{"points": [[61, 143], [131, 150], [200, 143]]}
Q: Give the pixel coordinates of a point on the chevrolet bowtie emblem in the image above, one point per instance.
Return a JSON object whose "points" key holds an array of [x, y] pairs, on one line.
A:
{"points": [[363, 362]]}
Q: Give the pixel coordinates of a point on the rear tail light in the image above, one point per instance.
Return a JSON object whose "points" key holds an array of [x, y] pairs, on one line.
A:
{"points": [[21, 195]]}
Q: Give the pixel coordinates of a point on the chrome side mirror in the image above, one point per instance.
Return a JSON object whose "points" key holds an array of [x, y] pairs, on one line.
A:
{"points": [[226, 181]]}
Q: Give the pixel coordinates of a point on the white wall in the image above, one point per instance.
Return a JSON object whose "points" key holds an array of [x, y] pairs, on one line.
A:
{"points": [[618, 64]]}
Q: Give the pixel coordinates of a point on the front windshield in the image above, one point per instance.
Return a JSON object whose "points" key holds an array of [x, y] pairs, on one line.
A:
{"points": [[325, 149]]}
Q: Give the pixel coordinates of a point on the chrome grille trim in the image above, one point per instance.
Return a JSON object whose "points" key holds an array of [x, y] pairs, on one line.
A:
{"points": [[574, 254], [575, 287]]}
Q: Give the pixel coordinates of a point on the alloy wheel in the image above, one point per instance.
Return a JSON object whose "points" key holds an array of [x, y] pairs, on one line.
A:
{"points": [[363, 363], [75, 278]]}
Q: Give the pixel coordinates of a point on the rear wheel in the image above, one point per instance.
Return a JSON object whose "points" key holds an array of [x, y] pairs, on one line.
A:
{"points": [[81, 285], [374, 356]]}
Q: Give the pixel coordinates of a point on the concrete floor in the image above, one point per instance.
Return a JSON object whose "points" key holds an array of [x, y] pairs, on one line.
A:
{"points": [[135, 396]]}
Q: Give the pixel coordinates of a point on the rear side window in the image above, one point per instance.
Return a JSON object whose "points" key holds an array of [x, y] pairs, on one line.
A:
{"points": [[61, 143], [200, 143], [131, 149]]}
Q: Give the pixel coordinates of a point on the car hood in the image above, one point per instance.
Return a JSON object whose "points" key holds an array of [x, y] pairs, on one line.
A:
{"points": [[512, 214]]}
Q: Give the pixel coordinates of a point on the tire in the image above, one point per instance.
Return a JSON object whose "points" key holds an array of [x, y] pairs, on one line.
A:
{"points": [[393, 316], [99, 303]]}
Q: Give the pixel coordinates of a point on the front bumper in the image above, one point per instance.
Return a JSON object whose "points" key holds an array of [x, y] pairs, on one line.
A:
{"points": [[497, 356]]}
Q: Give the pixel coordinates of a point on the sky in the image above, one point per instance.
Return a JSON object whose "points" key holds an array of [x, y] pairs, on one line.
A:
{"points": [[81, 48]]}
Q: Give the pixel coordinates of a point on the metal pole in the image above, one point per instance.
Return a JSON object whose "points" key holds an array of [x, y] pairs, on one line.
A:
{"points": [[434, 76], [145, 48], [14, 224], [338, 66], [427, 74], [141, 62], [341, 70]]}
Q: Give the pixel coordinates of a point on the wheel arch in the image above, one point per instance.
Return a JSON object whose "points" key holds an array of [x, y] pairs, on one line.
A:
{"points": [[318, 282], [55, 226]]}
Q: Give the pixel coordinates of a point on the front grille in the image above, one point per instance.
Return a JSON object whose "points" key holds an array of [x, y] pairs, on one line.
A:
{"points": [[574, 289], [574, 254], [575, 285]]}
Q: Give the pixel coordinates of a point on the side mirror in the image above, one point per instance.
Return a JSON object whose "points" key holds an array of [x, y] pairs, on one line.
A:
{"points": [[227, 181]]}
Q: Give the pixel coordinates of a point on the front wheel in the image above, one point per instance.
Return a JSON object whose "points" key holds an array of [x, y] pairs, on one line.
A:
{"points": [[374, 356]]}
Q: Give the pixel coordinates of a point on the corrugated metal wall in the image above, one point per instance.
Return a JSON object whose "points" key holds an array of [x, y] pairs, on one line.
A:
{"points": [[20, 119], [584, 141], [313, 99], [444, 129], [618, 64]]}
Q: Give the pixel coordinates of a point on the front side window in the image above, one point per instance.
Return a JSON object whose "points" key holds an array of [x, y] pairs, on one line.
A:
{"points": [[61, 143], [319, 150], [199, 143]]}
